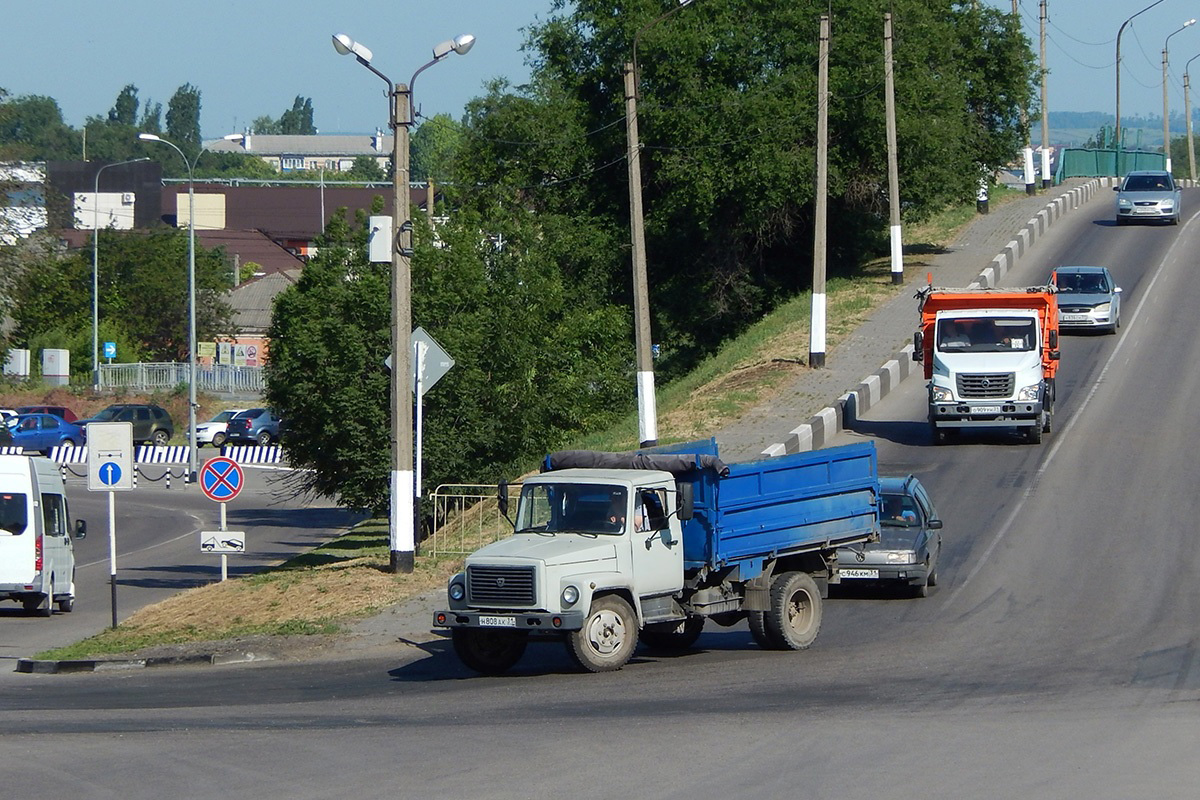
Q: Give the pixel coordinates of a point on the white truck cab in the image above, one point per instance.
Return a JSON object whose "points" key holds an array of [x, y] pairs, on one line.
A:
{"points": [[37, 557]]}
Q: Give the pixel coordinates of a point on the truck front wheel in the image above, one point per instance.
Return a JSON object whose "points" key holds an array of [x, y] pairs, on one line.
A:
{"points": [[490, 652], [608, 636], [795, 616]]}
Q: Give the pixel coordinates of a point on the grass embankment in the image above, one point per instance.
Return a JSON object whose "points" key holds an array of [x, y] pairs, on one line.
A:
{"points": [[347, 579]]}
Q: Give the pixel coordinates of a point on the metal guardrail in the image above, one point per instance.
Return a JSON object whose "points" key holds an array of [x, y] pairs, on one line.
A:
{"points": [[466, 517], [150, 377]]}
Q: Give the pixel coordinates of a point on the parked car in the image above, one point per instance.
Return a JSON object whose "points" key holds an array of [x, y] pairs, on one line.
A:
{"points": [[910, 541], [151, 423], [1148, 194], [41, 432], [59, 411], [253, 426], [5, 413], [214, 431], [1088, 298]]}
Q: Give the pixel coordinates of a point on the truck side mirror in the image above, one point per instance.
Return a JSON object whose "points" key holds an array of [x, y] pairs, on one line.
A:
{"points": [[502, 497], [1053, 340], [918, 347], [80, 529], [684, 500], [1054, 354]]}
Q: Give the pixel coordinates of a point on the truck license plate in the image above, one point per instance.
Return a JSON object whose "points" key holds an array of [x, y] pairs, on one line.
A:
{"points": [[498, 622], [859, 573], [986, 409]]}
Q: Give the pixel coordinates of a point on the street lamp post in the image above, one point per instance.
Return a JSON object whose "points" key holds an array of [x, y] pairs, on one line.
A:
{"points": [[96, 270], [403, 485], [1119, 32], [1166, 118], [647, 404], [150, 137], [1187, 112]]}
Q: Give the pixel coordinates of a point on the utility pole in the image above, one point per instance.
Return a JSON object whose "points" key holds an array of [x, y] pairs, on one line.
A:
{"points": [[1187, 110], [647, 406], [1027, 151], [893, 169], [1046, 181], [816, 349]]}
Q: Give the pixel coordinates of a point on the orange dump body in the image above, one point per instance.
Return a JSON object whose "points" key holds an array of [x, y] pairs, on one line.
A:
{"points": [[1041, 299]]}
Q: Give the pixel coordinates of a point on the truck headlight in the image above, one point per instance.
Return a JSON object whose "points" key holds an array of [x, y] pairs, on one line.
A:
{"points": [[457, 591], [941, 394], [570, 596], [1028, 394]]}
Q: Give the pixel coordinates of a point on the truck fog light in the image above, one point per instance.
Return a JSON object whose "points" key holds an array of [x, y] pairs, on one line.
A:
{"points": [[570, 596], [457, 592], [1027, 394]]}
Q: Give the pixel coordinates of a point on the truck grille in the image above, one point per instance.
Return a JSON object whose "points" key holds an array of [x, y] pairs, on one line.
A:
{"points": [[986, 385], [500, 586]]}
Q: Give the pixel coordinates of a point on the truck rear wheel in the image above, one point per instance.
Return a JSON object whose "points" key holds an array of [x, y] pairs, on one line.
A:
{"points": [[608, 636], [758, 629], [795, 616], [680, 637], [490, 652]]}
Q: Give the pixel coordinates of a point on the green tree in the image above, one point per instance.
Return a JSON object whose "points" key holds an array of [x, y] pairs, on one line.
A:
{"points": [[435, 144], [183, 118], [298, 120], [365, 168], [125, 110], [143, 292], [265, 125], [531, 368], [151, 121], [32, 129]]}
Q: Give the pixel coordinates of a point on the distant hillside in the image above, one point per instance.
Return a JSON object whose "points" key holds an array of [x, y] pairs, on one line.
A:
{"points": [[1077, 127]]}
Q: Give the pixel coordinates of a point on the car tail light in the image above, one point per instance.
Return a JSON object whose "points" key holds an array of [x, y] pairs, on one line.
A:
{"points": [[37, 553]]}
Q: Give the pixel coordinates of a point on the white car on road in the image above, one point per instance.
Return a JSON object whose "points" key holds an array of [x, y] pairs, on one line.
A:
{"points": [[213, 431]]}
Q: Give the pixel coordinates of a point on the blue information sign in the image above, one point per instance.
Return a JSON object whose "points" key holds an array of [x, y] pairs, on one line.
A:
{"points": [[110, 349], [110, 473]]}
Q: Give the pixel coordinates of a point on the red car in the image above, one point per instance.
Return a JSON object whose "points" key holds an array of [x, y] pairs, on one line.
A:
{"points": [[58, 411]]}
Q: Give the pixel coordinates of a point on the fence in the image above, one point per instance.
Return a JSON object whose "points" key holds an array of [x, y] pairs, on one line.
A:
{"points": [[167, 375], [466, 517], [1077, 162]]}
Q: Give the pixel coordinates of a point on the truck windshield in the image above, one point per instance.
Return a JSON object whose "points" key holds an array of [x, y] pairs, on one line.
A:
{"points": [[572, 507], [986, 334]]}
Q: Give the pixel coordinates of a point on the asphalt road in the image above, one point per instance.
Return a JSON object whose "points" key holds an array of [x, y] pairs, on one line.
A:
{"points": [[1057, 659], [158, 549]]}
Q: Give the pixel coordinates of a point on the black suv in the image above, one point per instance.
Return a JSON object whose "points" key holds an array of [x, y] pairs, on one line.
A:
{"points": [[151, 423]]}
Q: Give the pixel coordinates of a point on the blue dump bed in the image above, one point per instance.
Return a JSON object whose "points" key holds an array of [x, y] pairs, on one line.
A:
{"points": [[791, 504]]}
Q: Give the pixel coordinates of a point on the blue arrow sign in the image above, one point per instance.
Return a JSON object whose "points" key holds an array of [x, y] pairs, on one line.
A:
{"points": [[110, 473]]}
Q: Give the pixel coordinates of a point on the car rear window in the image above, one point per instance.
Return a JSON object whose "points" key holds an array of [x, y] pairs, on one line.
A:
{"points": [[14, 513]]}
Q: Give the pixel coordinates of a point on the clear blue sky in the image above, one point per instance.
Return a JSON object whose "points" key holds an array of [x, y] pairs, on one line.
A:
{"points": [[1081, 43], [252, 57]]}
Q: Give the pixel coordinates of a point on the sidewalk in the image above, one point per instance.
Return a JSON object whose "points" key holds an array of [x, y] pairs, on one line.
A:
{"points": [[817, 397]]}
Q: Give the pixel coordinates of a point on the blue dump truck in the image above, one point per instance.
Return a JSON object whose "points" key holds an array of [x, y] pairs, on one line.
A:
{"points": [[612, 548]]}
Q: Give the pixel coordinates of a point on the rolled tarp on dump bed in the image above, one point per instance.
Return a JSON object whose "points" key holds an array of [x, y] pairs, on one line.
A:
{"points": [[675, 463]]}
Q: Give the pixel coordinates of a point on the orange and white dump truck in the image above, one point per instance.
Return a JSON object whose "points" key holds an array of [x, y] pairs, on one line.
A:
{"points": [[990, 357]]}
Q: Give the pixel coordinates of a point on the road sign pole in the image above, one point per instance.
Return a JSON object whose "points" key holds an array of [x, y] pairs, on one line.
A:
{"points": [[224, 558], [112, 551]]}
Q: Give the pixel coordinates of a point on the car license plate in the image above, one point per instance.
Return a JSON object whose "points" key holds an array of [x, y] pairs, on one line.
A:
{"points": [[1074, 317], [986, 409], [1145, 211], [498, 622], [859, 573]]}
